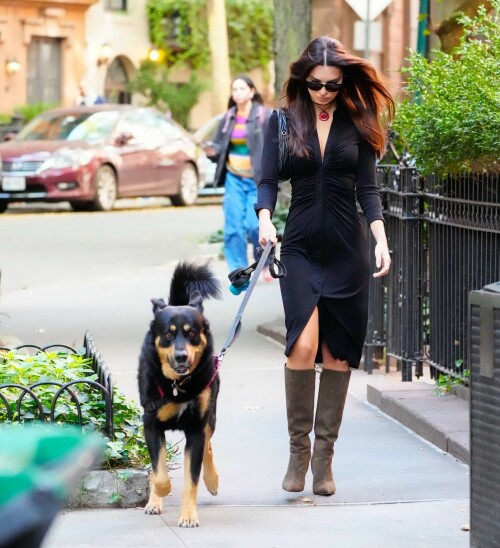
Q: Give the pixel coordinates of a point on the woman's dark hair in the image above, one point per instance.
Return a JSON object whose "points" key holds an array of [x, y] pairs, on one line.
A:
{"points": [[363, 94], [257, 97]]}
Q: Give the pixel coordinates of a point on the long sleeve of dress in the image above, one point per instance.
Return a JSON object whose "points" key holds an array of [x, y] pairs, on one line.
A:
{"points": [[367, 192], [268, 184]]}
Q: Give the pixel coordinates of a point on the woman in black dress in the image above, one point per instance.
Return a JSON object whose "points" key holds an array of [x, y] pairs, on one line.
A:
{"points": [[333, 102]]}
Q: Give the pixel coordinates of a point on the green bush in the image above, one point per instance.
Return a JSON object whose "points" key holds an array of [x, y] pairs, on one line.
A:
{"points": [[127, 450], [450, 122], [152, 81], [28, 112]]}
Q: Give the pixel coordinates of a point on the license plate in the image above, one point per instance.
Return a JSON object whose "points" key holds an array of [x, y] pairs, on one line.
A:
{"points": [[13, 183]]}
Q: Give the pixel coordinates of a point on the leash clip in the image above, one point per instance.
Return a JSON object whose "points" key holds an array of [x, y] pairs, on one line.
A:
{"points": [[240, 277]]}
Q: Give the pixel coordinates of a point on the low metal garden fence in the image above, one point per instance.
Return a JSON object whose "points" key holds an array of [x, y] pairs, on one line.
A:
{"points": [[20, 402]]}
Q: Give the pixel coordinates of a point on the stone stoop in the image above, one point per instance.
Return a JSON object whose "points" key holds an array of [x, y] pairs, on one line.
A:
{"points": [[441, 420]]}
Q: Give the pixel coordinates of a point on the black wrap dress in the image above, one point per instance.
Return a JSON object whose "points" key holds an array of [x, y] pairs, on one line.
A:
{"points": [[324, 246]]}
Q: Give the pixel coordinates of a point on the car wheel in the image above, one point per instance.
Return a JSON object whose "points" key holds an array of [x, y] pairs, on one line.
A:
{"points": [[105, 189], [188, 187], [3, 206]]}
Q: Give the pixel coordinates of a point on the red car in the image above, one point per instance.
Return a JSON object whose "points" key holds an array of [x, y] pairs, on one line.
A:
{"points": [[90, 156]]}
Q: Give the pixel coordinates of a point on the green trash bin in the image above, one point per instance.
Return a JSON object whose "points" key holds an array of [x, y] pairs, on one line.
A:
{"points": [[38, 466]]}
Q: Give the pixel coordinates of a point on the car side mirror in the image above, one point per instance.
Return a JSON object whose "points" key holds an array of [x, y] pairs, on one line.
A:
{"points": [[123, 138]]}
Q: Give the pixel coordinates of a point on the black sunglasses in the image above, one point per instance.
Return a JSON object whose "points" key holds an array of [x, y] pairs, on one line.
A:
{"points": [[329, 86]]}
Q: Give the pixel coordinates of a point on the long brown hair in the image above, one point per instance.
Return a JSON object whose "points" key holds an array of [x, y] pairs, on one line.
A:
{"points": [[363, 95]]}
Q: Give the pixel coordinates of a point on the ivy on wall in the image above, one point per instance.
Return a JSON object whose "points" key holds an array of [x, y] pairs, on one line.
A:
{"points": [[180, 29]]}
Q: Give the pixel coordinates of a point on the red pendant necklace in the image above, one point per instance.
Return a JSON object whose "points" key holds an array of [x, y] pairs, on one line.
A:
{"points": [[324, 115]]}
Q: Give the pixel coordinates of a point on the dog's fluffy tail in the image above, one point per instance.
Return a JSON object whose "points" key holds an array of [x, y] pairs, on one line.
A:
{"points": [[190, 277]]}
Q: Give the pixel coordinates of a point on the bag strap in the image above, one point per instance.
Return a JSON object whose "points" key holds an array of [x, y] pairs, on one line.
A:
{"points": [[282, 123], [284, 162]]}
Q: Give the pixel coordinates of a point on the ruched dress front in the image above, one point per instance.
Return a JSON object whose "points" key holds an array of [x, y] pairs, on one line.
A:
{"points": [[324, 246]]}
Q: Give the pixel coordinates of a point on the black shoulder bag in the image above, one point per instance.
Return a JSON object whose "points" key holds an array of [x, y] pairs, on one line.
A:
{"points": [[284, 160]]}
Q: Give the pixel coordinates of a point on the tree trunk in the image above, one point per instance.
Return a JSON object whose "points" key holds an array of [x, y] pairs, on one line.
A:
{"points": [[292, 33], [218, 42], [450, 31]]}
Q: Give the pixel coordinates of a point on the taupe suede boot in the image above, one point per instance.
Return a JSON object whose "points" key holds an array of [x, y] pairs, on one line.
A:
{"points": [[330, 407], [299, 389]]}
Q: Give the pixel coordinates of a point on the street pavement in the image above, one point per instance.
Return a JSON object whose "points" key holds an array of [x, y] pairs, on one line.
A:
{"points": [[394, 488]]}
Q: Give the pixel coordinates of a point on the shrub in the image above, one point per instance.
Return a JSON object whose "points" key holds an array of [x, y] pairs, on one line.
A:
{"points": [[152, 81], [128, 449], [450, 122], [28, 112]]}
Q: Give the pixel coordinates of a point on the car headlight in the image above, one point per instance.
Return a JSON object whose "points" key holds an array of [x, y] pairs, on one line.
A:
{"points": [[67, 158]]}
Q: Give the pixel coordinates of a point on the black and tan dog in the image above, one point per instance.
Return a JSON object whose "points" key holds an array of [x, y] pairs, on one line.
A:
{"points": [[178, 386]]}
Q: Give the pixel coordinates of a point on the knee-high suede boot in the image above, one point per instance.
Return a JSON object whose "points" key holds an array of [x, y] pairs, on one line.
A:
{"points": [[299, 389], [330, 407]]}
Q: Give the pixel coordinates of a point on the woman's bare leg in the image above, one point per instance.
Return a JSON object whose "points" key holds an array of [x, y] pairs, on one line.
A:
{"points": [[305, 348]]}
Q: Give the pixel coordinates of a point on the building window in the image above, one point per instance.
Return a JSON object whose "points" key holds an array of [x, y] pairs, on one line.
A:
{"points": [[116, 5]]}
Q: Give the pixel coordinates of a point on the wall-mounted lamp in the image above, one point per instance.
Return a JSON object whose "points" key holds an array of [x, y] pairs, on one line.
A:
{"points": [[154, 55], [105, 54], [12, 66]]}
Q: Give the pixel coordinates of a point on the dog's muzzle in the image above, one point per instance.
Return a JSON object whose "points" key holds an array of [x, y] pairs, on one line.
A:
{"points": [[181, 363]]}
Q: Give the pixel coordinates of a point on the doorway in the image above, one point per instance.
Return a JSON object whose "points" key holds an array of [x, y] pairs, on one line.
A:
{"points": [[44, 70], [116, 85]]}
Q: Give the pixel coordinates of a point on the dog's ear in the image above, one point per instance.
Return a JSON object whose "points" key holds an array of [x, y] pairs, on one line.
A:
{"points": [[158, 304], [196, 300], [206, 326]]}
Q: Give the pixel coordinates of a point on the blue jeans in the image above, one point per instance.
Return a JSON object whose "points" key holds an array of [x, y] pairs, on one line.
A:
{"points": [[240, 221]]}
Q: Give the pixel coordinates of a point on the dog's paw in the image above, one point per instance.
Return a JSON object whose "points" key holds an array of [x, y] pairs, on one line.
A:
{"points": [[152, 509], [189, 519]]}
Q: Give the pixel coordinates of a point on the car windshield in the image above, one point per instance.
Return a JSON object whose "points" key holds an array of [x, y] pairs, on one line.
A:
{"points": [[91, 127]]}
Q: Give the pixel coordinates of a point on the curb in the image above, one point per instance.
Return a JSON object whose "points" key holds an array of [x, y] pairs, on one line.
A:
{"points": [[117, 488], [441, 420]]}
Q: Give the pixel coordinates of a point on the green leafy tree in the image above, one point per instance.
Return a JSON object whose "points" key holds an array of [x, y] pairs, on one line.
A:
{"points": [[451, 120], [180, 29]]}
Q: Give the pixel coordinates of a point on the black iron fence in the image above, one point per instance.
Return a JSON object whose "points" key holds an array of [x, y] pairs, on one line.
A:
{"points": [[444, 237], [27, 400]]}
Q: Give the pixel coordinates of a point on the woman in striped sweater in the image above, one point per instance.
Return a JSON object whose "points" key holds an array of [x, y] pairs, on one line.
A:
{"points": [[237, 148]]}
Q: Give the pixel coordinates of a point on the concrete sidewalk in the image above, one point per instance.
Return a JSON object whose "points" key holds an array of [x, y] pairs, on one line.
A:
{"points": [[393, 488]]}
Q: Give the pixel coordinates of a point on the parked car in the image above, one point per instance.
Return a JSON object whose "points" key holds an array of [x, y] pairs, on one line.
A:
{"points": [[90, 156], [206, 134]]}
